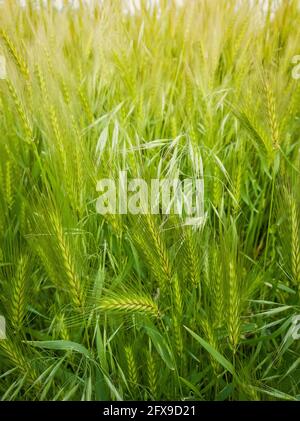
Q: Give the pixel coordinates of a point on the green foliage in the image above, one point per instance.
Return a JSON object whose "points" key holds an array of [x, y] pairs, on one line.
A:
{"points": [[143, 307]]}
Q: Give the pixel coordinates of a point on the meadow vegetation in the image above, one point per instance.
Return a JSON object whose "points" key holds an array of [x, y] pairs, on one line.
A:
{"points": [[111, 307]]}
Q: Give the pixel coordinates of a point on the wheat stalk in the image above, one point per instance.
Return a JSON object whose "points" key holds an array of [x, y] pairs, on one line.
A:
{"points": [[295, 242], [15, 54], [75, 288], [272, 114], [234, 308], [131, 366], [18, 295], [129, 303], [152, 374]]}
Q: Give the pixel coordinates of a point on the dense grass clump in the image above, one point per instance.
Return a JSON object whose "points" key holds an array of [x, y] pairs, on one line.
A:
{"points": [[112, 306]]}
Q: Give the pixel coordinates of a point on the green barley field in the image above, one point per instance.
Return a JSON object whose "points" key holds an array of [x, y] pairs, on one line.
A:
{"points": [[145, 306]]}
